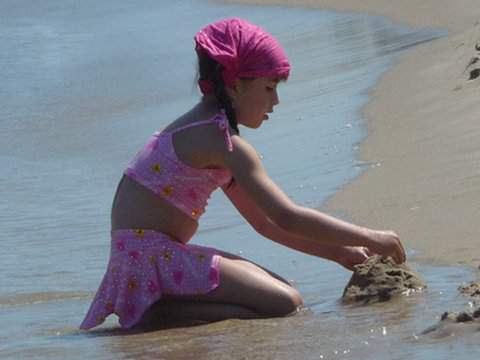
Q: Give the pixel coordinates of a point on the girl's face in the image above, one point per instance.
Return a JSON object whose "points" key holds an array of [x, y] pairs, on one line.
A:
{"points": [[253, 99]]}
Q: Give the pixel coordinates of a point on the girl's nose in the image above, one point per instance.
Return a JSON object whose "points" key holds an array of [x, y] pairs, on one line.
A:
{"points": [[275, 99]]}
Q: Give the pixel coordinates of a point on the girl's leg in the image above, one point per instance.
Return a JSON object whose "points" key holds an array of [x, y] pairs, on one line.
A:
{"points": [[253, 265], [245, 291], [169, 311]]}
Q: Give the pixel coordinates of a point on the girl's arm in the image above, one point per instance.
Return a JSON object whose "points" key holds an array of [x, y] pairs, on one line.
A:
{"points": [[299, 221], [345, 256]]}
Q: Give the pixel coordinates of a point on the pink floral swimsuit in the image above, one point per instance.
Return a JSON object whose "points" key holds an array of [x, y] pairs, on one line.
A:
{"points": [[158, 168], [144, 264]]}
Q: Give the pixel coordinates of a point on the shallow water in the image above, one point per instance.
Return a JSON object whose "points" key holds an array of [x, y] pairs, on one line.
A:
{"points": [[84, 84], [326, 330]]}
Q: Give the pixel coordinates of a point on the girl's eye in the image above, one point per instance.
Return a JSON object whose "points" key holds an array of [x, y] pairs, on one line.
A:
{"points": [[270, 88]]}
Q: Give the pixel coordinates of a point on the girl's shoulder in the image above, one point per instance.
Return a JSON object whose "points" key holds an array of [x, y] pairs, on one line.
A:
{"points": [[201, 142], [243, 158]]}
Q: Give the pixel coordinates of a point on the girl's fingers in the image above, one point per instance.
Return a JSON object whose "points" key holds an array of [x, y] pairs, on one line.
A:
{"points": [[400, 256], [403, 256], [369, 252]]}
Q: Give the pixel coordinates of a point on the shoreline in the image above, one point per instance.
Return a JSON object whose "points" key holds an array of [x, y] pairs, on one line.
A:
{"points": [[456, 17], [422, 134]]}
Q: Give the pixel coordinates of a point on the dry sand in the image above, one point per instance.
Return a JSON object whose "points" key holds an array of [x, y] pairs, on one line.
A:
{"points": [[424, 134]]}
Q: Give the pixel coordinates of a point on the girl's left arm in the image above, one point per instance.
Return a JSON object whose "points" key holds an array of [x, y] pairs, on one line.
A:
{"points": [[346, 256]]}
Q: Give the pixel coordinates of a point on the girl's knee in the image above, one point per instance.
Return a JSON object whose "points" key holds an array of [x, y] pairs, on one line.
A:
{"points": [[247, 285], [297, 299], [289, 302]]}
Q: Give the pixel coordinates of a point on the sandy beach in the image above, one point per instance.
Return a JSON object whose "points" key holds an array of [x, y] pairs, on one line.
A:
{"points": [[422, 146]]}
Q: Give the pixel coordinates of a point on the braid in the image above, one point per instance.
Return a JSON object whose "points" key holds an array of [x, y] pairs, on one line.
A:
{"points": [[212, 71], [225, 103]]}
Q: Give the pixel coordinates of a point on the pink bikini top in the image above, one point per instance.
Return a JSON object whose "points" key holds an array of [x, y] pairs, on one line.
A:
{"points": [[158, 168]]}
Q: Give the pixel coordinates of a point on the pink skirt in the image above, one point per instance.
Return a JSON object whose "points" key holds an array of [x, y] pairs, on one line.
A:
{"points": [[144, 264]]}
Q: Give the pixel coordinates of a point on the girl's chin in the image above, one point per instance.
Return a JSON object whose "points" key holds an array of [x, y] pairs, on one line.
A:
{"points": [[254, 124]]}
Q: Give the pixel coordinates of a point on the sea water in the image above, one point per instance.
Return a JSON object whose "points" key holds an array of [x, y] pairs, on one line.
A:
{"points": [[83, 86]]}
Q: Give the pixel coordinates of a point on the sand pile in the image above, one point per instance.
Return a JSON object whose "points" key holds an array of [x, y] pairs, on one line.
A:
{"points": [[469, 318], [378, 279], [472, 290]]}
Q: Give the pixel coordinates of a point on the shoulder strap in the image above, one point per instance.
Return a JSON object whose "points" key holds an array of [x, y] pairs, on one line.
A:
{"points": [[180, 128], [222, 122]]}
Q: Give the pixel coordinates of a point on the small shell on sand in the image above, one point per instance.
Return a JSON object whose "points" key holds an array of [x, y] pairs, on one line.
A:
{"points": [[378, 279]]}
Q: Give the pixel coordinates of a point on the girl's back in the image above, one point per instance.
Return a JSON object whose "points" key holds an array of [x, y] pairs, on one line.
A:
{"points": [[195, 145]]}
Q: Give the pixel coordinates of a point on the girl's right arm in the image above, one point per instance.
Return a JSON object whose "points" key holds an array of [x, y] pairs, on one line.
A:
{"points": [[346, 256], [303, 222]]}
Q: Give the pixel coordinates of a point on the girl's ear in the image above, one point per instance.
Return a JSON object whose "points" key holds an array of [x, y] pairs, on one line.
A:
{"points": [[233, 90]]}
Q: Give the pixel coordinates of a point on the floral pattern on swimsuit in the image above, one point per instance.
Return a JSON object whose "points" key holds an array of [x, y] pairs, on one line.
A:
{"points": [[144, 265], [158, 168]]}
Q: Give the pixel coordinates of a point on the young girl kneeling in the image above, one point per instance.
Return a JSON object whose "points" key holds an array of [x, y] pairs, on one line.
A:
{"points": [[153, 272]]}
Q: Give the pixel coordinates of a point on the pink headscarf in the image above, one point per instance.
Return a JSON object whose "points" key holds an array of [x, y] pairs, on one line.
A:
{"points": [[244, 50]]}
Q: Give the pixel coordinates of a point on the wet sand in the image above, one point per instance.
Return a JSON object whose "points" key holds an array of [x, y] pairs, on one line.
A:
{"points": [[422, 147], [379, 279]]}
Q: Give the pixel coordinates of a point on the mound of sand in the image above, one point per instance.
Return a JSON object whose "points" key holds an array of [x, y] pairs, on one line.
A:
{"points": [[462, 316], [378, 279], [471, 316], [471, 289]]}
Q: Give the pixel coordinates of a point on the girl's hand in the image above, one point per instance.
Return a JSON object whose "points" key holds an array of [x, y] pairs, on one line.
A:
{"points": [[387, 243], [353, 255]]}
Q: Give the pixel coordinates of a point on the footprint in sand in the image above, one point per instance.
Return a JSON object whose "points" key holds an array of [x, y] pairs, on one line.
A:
{"points": [[475, 72]]}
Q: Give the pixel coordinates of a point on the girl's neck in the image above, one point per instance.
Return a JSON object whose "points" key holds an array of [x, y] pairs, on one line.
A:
{"points": [[204, 109], [209, 102], [207, 105]]}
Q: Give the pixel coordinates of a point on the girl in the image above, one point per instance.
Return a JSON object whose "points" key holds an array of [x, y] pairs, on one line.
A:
{"points": [[153, 273]]}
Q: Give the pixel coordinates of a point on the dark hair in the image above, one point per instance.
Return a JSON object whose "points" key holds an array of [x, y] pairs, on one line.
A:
{"points": [[211, 71]]}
